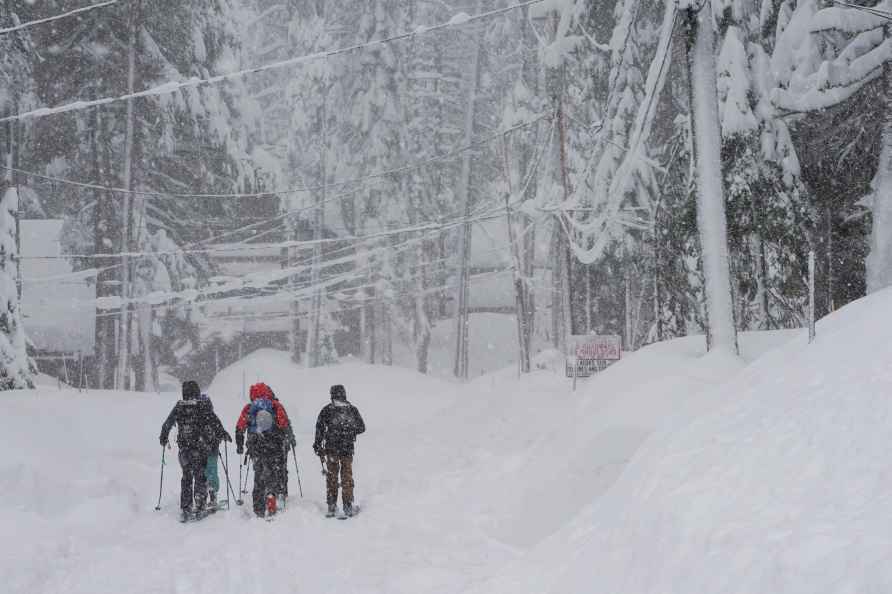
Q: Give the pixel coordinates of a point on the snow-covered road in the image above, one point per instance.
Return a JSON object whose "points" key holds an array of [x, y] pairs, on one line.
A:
{"points": [[455, 481]]}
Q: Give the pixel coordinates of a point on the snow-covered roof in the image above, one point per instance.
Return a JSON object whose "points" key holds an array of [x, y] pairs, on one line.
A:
{"points": [[57, 304]]}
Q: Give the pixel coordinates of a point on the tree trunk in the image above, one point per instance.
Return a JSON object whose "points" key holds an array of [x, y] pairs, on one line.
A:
{"points": [[721, 333], [15, 368], [313, 332], [103, 225], [561, 322], [294, 309], [879, 262]]}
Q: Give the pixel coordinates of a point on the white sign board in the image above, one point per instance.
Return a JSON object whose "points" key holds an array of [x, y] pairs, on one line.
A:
{"points": [[592, 351], [599, 348]]}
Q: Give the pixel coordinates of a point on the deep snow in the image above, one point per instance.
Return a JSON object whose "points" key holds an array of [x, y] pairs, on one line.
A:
{"points": [[784, 486], [458, 482]]}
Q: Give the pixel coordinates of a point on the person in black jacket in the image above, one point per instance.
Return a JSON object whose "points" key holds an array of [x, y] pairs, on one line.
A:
{"points": [[336, 429], [198, 431]]}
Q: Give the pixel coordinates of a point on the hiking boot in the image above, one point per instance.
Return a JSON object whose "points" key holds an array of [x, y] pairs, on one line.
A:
{"points": [[348, 510], [271, 505], [332, 510]]}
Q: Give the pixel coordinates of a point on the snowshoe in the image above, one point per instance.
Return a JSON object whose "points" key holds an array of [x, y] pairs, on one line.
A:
{"points": [[201, 514], [349, 512]]}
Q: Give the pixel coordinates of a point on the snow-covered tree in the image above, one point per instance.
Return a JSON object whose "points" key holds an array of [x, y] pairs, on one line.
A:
{"points": [[767, 204], [825, 57], [16, 371]]}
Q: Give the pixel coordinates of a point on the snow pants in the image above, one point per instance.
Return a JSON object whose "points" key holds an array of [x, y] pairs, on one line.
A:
{"points": [[339, 465], [283, 470], [267, 477], [210, 472], [194, 486]]}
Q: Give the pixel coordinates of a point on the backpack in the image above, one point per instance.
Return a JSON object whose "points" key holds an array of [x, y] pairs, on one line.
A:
{"points": [[340, 423], [193, 428], [261, 416]]}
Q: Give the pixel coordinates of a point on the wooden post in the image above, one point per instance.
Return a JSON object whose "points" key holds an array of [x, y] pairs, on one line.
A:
{"points": [[811, 296], [627, 281]]}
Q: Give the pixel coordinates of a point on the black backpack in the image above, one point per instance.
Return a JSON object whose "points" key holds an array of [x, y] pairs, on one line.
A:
{"points": [[193, 425]]}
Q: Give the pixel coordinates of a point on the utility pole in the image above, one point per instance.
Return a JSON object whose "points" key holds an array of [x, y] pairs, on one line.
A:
{"points": [[124, 337], [464, 193]]}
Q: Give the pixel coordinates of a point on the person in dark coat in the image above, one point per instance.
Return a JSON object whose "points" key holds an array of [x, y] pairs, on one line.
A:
{"points": [[337, 426], [198, 431], [211, 472]]}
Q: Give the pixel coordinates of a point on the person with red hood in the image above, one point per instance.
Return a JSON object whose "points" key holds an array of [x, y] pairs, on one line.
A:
{"points": [[266, 424]]}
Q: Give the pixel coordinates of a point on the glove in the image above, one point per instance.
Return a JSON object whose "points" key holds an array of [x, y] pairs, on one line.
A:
{"points": [[293, 441], [227, 437], [317, 449], [240, 450], [163, 441]]}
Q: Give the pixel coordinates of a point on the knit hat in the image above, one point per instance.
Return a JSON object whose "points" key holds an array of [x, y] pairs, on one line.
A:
{"points": [[338, 392], [191, 391]]}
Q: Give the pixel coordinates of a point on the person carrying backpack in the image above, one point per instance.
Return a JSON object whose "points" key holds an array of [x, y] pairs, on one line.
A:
{"points": [[198, 431], [210, 471], [265, 422], [337, 426]]}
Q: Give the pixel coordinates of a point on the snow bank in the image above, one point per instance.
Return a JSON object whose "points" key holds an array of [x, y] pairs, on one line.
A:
{"points": [[785, 487], [456, 481]]}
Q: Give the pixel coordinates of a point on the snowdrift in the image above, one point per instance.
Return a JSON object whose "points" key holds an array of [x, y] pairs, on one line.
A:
{"points": [[456, 481], [783, 487]]}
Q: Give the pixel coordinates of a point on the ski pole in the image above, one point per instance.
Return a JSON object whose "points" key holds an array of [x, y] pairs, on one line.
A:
{"points": [[161, 484], [226, 468], [228, 482], [239, 500], [300, 487]]}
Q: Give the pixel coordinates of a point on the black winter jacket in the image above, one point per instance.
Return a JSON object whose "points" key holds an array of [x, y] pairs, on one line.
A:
{"points": [[337, 427], [197, 425]]}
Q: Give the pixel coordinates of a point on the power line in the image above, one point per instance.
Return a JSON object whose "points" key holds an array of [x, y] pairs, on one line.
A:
{"points": [[868, 9], [326, 186], [21, 26], [458, 20]]}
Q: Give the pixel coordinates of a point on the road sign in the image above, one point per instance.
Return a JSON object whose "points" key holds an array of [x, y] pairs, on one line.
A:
{"points": [[592, 353], [599, 348]]}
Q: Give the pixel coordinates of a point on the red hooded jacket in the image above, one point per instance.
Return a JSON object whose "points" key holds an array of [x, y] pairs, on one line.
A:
{"points": [[261, 391]]}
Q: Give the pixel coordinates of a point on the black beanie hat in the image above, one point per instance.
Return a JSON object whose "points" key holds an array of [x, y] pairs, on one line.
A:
{"points": [[338, 392], [191, 391]]}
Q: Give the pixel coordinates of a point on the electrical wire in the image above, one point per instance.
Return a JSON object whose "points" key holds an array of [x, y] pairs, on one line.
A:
{"points": [[868, 9], [326, 186], [172, 86], [21, 26]]}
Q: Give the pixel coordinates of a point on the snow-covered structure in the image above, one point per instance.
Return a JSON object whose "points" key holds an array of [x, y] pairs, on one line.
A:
{"points": [[58, 305]]}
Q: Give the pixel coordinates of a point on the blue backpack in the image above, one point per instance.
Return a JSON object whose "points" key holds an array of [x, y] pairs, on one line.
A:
{"points": [[261, 416]]}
